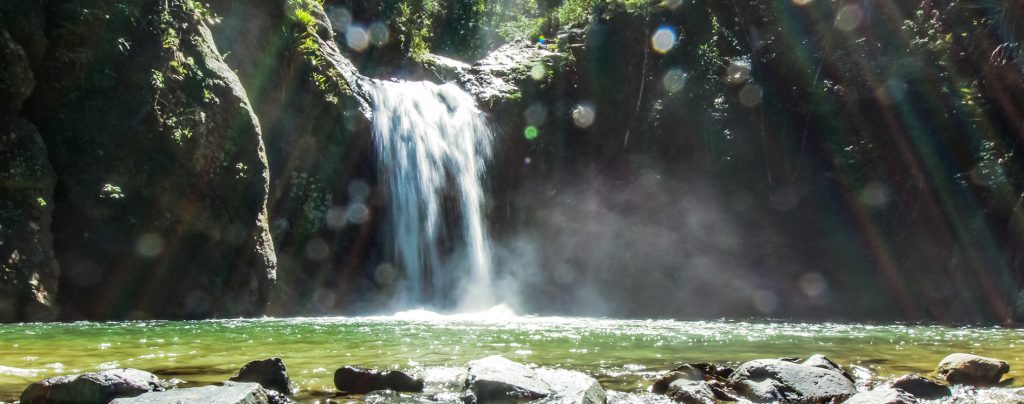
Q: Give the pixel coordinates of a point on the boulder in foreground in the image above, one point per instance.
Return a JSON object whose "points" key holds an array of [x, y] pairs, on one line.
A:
{"points": [[882, 395], [269, 373], [920, 387], [571, 387], [229, 393], [691, 392], [496, 379], [98, 387], [974, 370], [771, 380], [357, 380]]}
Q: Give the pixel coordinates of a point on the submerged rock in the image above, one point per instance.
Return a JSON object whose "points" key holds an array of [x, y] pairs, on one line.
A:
{"points": [[99, 387], [691, 392], [920, 387], [570, 387], [618, 397], [882, 395], [229, 393], [770, 380], [974, 370], [496, 379], [391, 396], [352, 379], [269, 373]]}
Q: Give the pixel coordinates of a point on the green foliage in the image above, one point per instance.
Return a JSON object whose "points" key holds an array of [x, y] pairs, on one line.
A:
{"points": [[575, 12], [324, 76], [414, 24], [305, 18]]}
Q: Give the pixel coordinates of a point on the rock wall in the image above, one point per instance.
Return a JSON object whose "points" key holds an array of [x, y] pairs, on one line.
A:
{"points": [[324, 200], [159, 209], [28, 269]]}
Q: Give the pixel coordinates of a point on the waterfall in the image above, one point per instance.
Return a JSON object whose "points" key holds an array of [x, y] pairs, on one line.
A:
{"points": [[433, 144]]}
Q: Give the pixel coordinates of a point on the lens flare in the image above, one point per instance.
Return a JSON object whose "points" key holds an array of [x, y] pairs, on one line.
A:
{"points": [[357, 38], [530, 132], [750, 95], [340, 18], [663, 39], [378, 34], [849, 17], [674, 80], [583, 115], [538, 71], [536, 114]]}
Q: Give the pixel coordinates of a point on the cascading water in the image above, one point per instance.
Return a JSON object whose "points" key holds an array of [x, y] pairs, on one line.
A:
{"points": [[433, 144]]}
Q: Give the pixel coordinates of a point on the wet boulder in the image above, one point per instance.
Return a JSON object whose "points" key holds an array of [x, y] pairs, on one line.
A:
{"points": [[920, 387], [691, 392], [269, 373], [974, 370], [229, 393], [353, 379], [98, 387], [690, 371], [570, 387], [685, 372], [496, 379], [882, 395], [820, 361], [501, 74], [770, 380]]}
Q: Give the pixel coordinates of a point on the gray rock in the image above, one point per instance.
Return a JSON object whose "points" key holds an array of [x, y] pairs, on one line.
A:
{"points": [[692, 372], [570, 387], [496, 379], [498, 75], [310, 103], [99, 387], [974, 370], [691, 392], [269, 373], [920, 387], [353, 379], [769, 380], [229, 393], [28, 267], [882, 395], [445, 69], [820, 361], [16, 80]]}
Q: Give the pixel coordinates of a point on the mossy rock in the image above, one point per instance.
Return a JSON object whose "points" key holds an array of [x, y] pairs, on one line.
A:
{"points": [[28, 269], [162, 212]]}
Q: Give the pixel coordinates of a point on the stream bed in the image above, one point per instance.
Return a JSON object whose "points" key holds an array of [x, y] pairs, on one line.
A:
{"points": [[623, 355]]}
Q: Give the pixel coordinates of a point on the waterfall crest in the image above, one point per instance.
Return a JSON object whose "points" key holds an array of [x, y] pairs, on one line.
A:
{"points": [[433, 144]]}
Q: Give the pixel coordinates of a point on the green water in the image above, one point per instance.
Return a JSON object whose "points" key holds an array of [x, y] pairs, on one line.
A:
{"points": [[622, 354]]}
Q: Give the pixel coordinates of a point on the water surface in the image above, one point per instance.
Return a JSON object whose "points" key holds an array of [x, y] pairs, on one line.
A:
{"points": [[622, 354]]}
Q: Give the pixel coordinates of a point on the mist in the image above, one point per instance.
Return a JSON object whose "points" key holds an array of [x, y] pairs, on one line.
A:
{"points": [[647, 245]]}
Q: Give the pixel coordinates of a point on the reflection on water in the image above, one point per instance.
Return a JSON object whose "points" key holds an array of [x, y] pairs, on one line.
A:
{"points": [[622, 354]]}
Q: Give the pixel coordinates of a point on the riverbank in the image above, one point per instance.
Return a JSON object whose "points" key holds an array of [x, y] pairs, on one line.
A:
{"points": [[623, 355]]}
